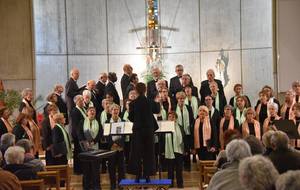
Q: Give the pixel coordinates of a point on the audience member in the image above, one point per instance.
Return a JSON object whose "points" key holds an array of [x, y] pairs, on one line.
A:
{"points": [[288, 181]]}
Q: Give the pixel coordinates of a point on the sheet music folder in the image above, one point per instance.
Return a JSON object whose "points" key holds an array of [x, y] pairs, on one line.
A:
{"points": [[289, 127], [125, 128]]}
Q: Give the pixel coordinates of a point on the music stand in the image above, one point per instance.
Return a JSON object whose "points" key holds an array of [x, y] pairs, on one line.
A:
{"points": [[289, 127]]}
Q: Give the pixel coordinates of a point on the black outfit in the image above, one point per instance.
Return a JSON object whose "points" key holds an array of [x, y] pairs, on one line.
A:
{"points": [[77, 118], [125, 81], [47, 140], [22, 171], [110, 88], [203, 152], [275, 101], [231, 102], [226, 125], [215, 121], [3, 128], [263, 114], [222, 103], [91, 170], [59, 147], [19, 132], [128, 89], [144, 125], [151, 89], [177, 165], [175, 86], [205, 90], [71, 91], [96, 101], [100, 87], [62, 107], [116, 162], [285, 159], [251, 129], [22, 105]]}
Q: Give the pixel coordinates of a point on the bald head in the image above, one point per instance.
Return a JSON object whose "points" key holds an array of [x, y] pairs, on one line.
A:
{"points": [[91, 84], [74, 73]]}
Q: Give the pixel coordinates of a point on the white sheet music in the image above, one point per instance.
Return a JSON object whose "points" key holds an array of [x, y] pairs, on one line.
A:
{"points": [[128, 127], [117, 128], [106, 129], [166, 126]]}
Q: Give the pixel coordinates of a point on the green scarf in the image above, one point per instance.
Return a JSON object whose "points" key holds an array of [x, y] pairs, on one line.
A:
{"points": [[103, 117], [194, 105], [239, 117], [186, 121], [82, 111], [67, 141], [91, 126], [175, 146], [163, 113]]}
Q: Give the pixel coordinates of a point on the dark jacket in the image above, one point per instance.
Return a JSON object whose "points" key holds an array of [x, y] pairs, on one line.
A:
{"points": [[151, 89], [62, 106], [222, 103], [71, 91], [205, 90], [141, 113], [100, 87], [77, 118], [22, 171], [175, 86], [125, 80], [20, 132], [22, 105], [59, 144], [110, 88], [46, 133]]}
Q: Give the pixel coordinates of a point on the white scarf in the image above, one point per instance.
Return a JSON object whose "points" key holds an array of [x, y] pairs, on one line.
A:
{"points": [[103, 117], [212, 111], [240, 117], [175, 146], [186, 120], [91, 127], [194, 105], [217, 102]]}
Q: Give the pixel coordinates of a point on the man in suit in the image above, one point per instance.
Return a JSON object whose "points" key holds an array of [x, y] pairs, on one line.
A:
{"points": [[91, 87], [125, 80], [110, 87], [72, 89], [133, 81], [176, 82], [151, 85], [205, 90], [100, 87], [61, 104]]}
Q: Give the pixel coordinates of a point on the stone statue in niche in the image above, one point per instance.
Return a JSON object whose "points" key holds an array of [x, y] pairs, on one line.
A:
{"points": [[222, 66]]}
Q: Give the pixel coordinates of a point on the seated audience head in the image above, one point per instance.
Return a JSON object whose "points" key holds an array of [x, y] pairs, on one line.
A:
{"points": [[180, 97], [179, 70], [7, 140], [250, 114], [237, 149], [112, 77], [14, 155], [27, 145], [266, 138], [103, 77], [127, 69], [230, 135], [210, 74], [255, 145], [133, 78], [59, 89], [114, 110], [238, 89], [78, 100], [91, 85], [203, 112], [279, 141], [208, 101], [59, 118], [272, 109], [74, 73], [140, 89], [91, 113], [296, 109], [132, 94], [288, 181], [52, 98], [86, 94], [27, 94], [257, 173], [5, 113]]}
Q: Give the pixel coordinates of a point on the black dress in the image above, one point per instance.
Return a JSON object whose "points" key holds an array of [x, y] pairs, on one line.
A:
{"points": [[47, 140], [142, 141]]}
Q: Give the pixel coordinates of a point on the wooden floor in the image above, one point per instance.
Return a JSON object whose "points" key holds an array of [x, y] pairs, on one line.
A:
{"points": [[191, 179]]}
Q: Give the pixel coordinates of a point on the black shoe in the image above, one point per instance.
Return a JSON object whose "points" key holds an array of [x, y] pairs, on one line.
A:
{"points": [[180, 186], [147, 179]]}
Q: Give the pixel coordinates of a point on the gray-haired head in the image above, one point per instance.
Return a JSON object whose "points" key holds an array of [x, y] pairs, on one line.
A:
{"points": [[237, 149], [257, 173], [25, 92], [8, 140], [266, 138], [288, 181], [14, 155], [77, 97], [86, 93], [274, 105], [279, 140], [255, 145], [26, 144]]}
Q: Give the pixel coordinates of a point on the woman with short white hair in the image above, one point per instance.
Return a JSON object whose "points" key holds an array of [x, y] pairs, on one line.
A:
{"points": [[272, 116], [257, 173]]}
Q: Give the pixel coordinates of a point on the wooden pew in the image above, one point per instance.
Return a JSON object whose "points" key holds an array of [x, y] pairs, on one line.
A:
{"points": [[64, 173], [37, 184], [202, 164], [51, 178]]}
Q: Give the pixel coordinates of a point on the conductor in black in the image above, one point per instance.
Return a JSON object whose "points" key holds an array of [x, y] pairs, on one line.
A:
{"points": [[142, 157]]}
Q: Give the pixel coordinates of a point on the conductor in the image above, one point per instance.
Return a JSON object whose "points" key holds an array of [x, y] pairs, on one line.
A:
{"points": [[142, 157]]}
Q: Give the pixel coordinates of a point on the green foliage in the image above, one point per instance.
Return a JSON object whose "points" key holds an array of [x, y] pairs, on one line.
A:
{"points": [[11, 98]]}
